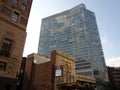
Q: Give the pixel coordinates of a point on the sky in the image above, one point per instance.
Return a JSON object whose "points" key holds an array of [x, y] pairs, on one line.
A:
{"points": [[107, 14]]}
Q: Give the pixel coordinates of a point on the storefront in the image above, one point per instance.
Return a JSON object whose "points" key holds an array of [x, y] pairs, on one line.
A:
{"points": [[77, 86]]}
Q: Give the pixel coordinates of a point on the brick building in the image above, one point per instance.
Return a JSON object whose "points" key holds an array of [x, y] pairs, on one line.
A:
{"points": [[56, 73], [114, 75], [14, 16], [38, 73]]}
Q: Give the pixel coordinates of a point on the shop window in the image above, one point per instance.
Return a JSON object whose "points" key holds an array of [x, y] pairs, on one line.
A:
{"points": [[5, 48], [2, 66], [15, 16]]}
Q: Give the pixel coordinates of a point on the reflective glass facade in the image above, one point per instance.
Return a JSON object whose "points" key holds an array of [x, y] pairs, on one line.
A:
{"points": [[75, 32]]}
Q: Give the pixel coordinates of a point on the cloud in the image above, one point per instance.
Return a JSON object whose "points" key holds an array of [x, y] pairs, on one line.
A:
{"points": [[113, 62]]}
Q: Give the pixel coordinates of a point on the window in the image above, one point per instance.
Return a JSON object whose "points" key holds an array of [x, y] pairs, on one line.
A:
{"points": [[15, 1], [96, 72], [15, 16], [5, 49], [23, 7], [2, 66], [25, 1]]}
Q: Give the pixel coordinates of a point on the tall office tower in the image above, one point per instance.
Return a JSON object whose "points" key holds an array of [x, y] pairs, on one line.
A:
{"points": [[75, 32], [14, 16]]}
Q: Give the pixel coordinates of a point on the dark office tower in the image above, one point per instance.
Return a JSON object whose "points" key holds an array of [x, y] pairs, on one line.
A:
{"points": [[14, 16], [75, 32]]}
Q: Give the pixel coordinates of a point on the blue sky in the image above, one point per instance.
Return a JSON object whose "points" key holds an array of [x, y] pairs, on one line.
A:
{"points": [[108, 20]]}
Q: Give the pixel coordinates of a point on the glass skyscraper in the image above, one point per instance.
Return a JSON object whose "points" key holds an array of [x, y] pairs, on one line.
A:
{"points": [[75, 32]]}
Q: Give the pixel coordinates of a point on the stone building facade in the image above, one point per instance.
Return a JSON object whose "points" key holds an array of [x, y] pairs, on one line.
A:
{"points": [[68, 79], [14, 16]]}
